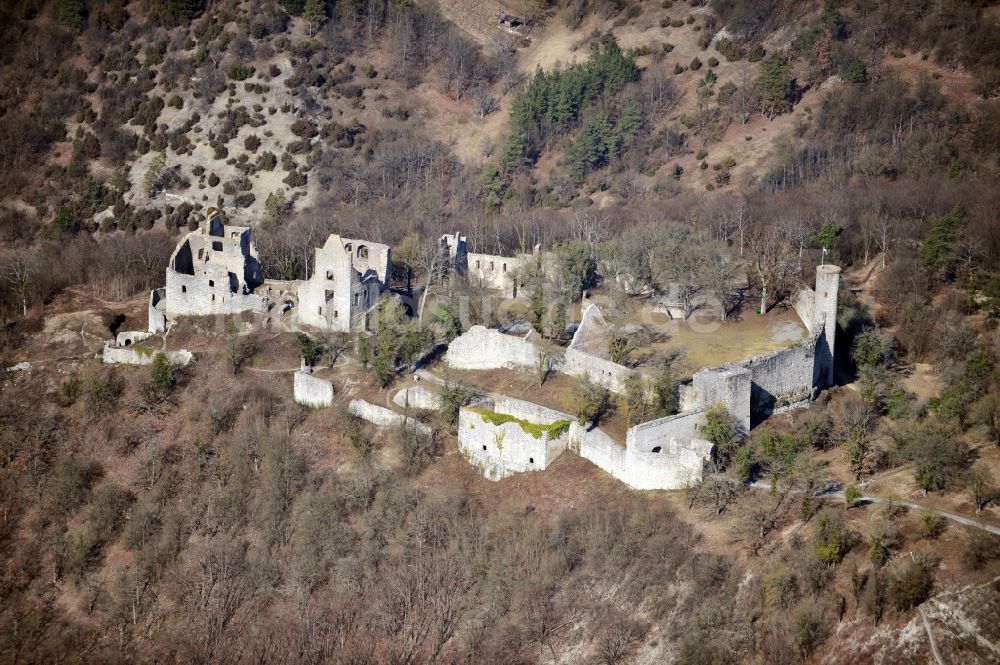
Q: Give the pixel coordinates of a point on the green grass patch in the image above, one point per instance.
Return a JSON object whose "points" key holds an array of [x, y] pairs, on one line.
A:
{"points": [[554, 430]]}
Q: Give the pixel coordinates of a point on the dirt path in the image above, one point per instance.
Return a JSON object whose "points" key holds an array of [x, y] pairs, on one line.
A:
{"points": [[836, 494], [930, 637]]}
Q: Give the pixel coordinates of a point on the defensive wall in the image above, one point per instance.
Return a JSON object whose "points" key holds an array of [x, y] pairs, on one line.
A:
{"points": [[667, 453], [504, 436], [578, 362], [383, 417], [417, 397], [129, 355], [487, 348], [311, 390]]}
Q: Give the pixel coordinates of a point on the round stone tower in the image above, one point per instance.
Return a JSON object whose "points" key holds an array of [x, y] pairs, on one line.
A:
{"points": [[825, 314]]}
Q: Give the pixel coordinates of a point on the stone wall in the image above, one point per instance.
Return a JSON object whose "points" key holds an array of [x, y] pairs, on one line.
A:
{"points": [[383, 417], [130, 337], [667, 453], [311, 390], [600, 449], [602, 372], [578, 362], [782, 377], [494, 272], [499, 451], [728, 385], [804, 306], [418, 397], [485, 348], [118, 355], [156, 311]]}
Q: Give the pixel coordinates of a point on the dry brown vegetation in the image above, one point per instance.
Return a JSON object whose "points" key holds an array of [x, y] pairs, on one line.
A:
{"points": [[203, 517]]}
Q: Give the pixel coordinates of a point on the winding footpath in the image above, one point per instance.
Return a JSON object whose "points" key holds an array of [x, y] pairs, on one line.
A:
{"points": [[837, 494]]}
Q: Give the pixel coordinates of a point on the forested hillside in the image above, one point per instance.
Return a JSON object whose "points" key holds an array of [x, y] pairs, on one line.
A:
{"points": [[198, 514]]}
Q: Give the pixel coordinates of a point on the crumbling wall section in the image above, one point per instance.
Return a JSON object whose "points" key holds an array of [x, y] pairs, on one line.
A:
{"points": [[418, 397], [157, 311], [118, 355], [383, 417], [311, 390], [485, 348], [494, 272], [578, 362], [603, 372]]}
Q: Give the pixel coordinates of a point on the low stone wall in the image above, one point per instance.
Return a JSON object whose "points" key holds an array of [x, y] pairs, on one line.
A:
{"points": [[383, 417], [418, 397], [577, 362], [130, 337], [117, 355], [484, 348], [501, 450], [602, 372], [312, 391]]}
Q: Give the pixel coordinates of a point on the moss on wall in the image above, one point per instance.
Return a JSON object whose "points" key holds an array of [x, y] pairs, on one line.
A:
{"points": [[554, 430]]}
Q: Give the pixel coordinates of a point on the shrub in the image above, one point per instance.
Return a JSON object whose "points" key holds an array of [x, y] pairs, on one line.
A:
{"points": [[833, 540], [416, 448], [912, 584], [240, 72], [251, 143], [213, 180], [69, 486], [932, 524], [70, 391], [101, 392], [695, 64], [851, 494]]}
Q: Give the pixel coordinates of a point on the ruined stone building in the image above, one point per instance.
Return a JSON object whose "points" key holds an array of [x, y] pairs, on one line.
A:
{"points": [[490, 271], [348, 278], [213, 270], [216, 270]]}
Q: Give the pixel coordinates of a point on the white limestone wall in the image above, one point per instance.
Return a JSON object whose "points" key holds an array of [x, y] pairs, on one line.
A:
{"points": [[602, 372], [207, 293], [312, 391], [667, 453], [485, 348], [383, 417], [130, 337], [156, 311], [577, 362], [118, 355], [599, 448], [493, 272], [677, 466], [499, 451], [418, 397]]}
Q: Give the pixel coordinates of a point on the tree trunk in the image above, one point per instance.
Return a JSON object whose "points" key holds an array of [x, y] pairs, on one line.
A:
{"points": [[763, 300]]}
